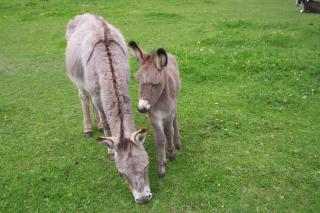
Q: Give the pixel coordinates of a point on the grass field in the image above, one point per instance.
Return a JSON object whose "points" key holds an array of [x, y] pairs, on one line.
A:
{"points": [[249, 108]]}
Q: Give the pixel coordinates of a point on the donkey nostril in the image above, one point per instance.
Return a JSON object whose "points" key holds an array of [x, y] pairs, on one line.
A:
{"points": [[142, 109], [144, 199]]}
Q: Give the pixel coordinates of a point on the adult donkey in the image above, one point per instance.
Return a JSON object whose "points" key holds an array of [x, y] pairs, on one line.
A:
{"points": [[159, 81], [97, 63]]}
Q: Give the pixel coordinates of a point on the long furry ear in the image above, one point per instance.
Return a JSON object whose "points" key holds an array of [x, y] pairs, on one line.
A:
{"points": [[298, 2], [140, 55], [162, 58], [139, 137], [110, 141]]}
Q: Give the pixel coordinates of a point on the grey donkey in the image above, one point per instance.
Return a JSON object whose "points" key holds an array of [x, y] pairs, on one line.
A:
{"points": [[97, 63], [159, 81]]}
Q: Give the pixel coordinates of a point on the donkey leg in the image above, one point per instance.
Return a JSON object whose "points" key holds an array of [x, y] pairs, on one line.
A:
{"points": [[101, 115], [169, 131], [103, 118], [176, 133], [98, 118], [84, 98], [160, 141]]}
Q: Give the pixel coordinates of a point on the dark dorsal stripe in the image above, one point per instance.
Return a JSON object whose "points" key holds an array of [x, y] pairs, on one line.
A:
{"points": [[116, 87]]}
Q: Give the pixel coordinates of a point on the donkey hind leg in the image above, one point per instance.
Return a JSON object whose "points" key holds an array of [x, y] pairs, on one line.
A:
{"points": [[103, 118], [169, 131], [98, 119], [84, 98], [177, 141], [160, 140]]}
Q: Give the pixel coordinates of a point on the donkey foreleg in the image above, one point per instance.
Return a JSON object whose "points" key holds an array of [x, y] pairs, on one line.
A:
{"points": [[84, 98], [103, 119], [98, 119], [102, 116], [160, 141]]}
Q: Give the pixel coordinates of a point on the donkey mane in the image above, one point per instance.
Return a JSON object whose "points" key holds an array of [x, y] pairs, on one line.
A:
{"points": [[123, 143]]}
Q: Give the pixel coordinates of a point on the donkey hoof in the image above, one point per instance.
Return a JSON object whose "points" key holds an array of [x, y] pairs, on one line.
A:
{"points": [[88, 134], [111, 156], [172, 157], [161, 175], [101, 130], [178, 146], [162, 171]]}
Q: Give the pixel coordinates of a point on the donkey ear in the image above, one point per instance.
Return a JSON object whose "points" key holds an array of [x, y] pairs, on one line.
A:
{"points": [[139, 137], [140, 55], [162, 58], [110, 141], [298, 3]]}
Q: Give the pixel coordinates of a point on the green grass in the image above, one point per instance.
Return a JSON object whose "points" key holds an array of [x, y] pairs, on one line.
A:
{"points": [[249, 109]]}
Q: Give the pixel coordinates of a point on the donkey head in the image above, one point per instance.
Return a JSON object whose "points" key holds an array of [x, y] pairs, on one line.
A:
{"points": [[132, 163], [150, 75]]}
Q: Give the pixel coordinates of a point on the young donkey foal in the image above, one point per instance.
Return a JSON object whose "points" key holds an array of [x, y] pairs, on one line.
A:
{"points": [[97, 63], [159, 81]]}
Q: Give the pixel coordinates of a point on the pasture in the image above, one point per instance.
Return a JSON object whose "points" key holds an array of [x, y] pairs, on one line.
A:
{"points": [[249, 109]]}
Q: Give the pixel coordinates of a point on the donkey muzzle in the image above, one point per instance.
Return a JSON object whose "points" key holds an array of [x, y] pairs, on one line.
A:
{"points": [[143, 106], [144, 199]]}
